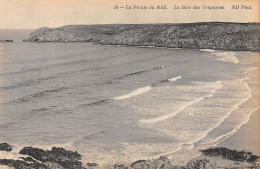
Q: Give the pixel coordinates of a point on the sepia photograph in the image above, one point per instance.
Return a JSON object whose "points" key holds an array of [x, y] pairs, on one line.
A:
{"points": [[129, 84]]}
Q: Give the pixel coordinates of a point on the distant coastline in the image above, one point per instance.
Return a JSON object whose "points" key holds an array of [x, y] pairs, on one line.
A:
{"points": [[206, 35]]}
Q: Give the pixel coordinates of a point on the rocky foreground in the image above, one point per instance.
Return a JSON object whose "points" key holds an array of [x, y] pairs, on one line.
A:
{"points": [[213, 35], [59, 158]]}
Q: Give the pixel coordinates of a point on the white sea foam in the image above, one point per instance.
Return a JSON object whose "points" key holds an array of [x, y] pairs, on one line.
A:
{"points": [[226, 57], [235, 107], [175, 48], [14, 154], [252, 68], [175, 78], [130, 152], [223, 137], [208, 50], [147, 46], [150, 150], [134, 93], [218, 85], [189, 136]]}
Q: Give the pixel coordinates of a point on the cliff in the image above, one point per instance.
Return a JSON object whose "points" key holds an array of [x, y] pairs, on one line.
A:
{"points": [[215, 35]]}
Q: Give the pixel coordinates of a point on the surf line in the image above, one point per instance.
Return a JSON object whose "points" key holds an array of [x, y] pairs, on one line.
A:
{"points": [[142, 89], [167, 116], [174, 78], [170, 80], [235, 107], [134, 93], [223, 56], [223, 137]]}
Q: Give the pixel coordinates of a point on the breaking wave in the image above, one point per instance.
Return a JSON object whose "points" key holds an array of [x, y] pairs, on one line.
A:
{"points": [[174, 78], [235, 107], [170, 115], [134, 93], [226, 57], [208, 50]]}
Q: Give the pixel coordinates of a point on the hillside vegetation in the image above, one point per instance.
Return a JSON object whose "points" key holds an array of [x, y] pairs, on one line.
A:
{"points": [[216, 35]]}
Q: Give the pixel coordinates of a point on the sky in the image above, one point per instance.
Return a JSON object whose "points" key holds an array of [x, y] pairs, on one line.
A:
{"points": [[32, 14]]}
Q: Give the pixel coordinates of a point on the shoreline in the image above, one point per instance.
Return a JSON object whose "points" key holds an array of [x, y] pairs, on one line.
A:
{"points": [[247, 135], [143, 46], [245, 138]]}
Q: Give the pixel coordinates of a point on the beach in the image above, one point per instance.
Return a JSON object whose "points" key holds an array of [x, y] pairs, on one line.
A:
{"points": [[247, 137]]}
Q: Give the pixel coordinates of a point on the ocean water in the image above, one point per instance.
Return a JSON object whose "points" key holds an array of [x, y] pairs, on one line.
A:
{"points": [[116, 104]]}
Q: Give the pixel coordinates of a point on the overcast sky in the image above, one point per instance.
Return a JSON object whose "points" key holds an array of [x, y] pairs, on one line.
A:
{"points": [[33, 14]]}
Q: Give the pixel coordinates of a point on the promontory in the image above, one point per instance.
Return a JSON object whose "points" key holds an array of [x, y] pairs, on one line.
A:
{"points": [[205, 35]]}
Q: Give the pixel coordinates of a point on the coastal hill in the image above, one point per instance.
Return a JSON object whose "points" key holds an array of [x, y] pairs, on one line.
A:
{"points": [[205, 35]]}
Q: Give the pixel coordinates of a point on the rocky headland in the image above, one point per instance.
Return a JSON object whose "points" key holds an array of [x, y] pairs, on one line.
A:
{"points": [[206, 35], [59, 158]]}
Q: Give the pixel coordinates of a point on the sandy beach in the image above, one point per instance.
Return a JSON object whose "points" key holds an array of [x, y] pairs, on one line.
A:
{"points": [[246, 138]]}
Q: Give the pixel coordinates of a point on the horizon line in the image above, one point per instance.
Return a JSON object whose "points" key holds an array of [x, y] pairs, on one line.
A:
{"points": [[166, 23]]}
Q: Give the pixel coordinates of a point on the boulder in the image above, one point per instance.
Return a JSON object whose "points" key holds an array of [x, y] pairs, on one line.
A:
{"points": [[19, 164], [65, 158], [5, 147]]}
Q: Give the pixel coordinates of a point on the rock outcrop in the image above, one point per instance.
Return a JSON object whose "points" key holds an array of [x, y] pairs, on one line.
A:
{"points": [[6, 40], [162, 163], [5, 147], [59, 158], [46, 34], [19, 164], [215, 35], [65, 158], [56, 158], [243, 156]]}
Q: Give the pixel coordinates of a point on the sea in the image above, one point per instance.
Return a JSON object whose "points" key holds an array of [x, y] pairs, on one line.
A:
{"points": [[119, 104]]}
